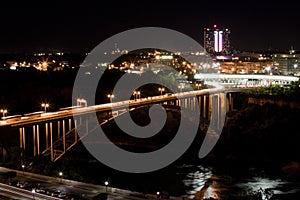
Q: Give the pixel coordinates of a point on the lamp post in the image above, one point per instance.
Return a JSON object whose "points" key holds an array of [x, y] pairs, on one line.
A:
{"points": [[110, 96], [157, 194], [4, 112], [136, 94], [161, 89], [181, 87], [81, 102], [33, 192], [23, 167], [45, 106], [198, 85], [60, 174], [106, 184]]}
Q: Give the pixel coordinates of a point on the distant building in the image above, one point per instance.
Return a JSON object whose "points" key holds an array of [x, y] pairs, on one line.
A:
{"points": [[216, 41], [243, 67], [287, 63]]}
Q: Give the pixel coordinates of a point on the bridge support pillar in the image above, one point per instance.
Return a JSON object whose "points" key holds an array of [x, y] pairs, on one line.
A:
{"points": [[229, 102], [216, 110], [75, 132], [201, 101], [70, 125], [64, 134], [209, 106], [46, 131], [34, 140], [22, 141], [220, 110], [51, 142], [179, 102], [206, 107], [38, 139], [58, 129], [195, 102], [186, 102]]}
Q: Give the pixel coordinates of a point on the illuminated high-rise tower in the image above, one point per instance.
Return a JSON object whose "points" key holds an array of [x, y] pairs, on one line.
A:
{"points": [[216, 41]]}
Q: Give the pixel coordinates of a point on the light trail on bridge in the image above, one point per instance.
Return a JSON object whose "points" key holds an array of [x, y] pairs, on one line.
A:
{"points": [[70, 111]]}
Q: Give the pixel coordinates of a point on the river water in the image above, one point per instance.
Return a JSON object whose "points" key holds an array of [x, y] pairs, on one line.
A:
{"points": [[202, 182], [198, 181], [192, 178]]}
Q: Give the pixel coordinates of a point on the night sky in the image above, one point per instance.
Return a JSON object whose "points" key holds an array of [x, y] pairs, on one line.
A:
{"points": [[32, 26]]}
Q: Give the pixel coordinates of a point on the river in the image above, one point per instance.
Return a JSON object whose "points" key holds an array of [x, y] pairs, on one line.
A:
{"points": [[199, 181]]}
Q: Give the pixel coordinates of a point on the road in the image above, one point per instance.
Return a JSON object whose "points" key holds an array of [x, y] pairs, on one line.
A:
{"points": [[10, 192], [79, 190]]}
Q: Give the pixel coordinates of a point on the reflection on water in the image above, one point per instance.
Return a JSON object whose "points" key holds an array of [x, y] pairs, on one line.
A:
{"points": [[274, 186], [202, 183], [198, 184]]}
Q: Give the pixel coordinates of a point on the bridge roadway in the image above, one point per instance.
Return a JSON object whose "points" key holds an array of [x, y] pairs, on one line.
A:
{"points": [[65, 113]]}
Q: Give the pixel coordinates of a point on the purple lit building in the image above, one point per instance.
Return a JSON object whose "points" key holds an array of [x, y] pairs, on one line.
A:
{"points": [[216, 41]]}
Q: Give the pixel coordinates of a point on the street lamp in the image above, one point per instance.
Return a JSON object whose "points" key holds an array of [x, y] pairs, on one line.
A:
{"points": [[181, 87], [33, 192], [198, 85], [4, 112], [60, 174], [110, 96], [157, 194], [81, 102], [136, 94], [45, 106], [161, 89], [23, 167], [106, 184]]}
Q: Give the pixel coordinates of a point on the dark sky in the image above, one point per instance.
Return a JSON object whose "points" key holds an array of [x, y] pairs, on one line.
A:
{"points": [[31, 26]]}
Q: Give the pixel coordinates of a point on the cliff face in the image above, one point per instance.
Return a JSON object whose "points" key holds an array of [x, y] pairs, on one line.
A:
{"points": [[262, 130]]}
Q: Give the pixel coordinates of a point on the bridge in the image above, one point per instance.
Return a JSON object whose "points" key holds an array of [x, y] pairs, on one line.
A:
{"points": [[246, 80], [54, 133]]}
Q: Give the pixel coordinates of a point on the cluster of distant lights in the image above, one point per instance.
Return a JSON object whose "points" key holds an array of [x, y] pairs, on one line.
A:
{"points": [[40, 65], [137, 67], [130, 67], [49, 54], [183, 68]]}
